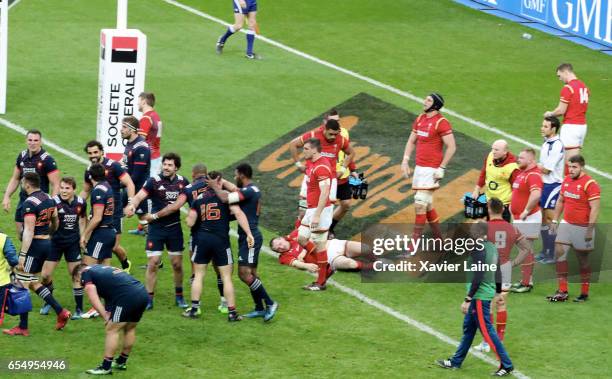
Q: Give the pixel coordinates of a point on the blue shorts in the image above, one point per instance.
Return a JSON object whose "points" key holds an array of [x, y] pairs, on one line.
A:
{"points": [[160, 237], [192, 243], [249, 256], [550, 195], [100, 245], [70, 250], [130, 310], [37, 254], [251, 6], [209, 247]]}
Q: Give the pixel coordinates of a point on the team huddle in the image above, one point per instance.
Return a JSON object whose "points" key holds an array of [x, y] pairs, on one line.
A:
{"points": [[526, 199]]}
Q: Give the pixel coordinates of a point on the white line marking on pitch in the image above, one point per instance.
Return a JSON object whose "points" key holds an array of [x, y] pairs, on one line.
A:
{"points": [[13, 4], [347, 290], [376, 83]]}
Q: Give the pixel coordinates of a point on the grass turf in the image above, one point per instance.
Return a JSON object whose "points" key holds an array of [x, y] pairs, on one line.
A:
{"points": [[210, 103]]}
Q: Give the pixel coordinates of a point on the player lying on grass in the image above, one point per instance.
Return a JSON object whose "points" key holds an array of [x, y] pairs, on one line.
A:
{"points": [[341, 254]]}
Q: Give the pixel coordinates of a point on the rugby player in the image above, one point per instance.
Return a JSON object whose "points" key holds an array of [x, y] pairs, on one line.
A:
{"points": [[72, 215], [39, 212], [573, 106], [341, 254], [99, 236], [579, 202], [212, 244], [333, 144], [164, 232], [150, 127], [117, 177], [505, 237], [247, 195], [188, 195], [526, 213], [125, 299], [34, 159], [137, 161], [431, 132], [319, 213]]}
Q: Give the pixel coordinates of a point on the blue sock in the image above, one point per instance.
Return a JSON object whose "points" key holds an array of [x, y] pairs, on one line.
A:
{"points": [[178, 292], [107, 362], [23, 320], [122, 358], [78, 298], [548, 241], [250, 41], [228, 33], [259, 294], [44, 293], [220, 285]]}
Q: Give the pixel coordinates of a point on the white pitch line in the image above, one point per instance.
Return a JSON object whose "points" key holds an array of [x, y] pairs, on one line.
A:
{"points": [[376, 83], [45, 141], [13, 4], [347, 290], [401, 316]]}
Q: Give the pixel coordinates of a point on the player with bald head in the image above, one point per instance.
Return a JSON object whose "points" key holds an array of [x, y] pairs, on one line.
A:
{"points": [[497, 174]]}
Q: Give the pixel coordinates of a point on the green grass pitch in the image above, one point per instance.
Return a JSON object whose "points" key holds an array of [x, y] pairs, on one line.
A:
{"points": [[219, 109]]}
